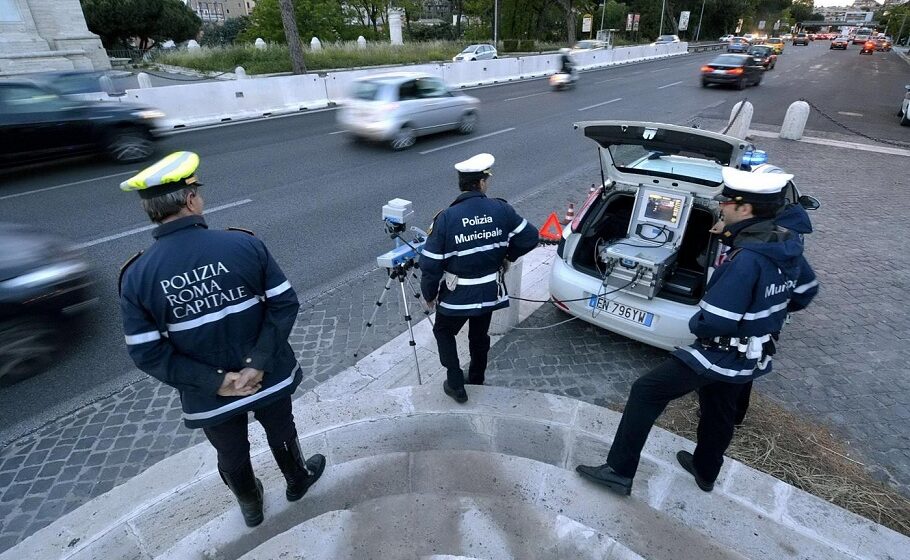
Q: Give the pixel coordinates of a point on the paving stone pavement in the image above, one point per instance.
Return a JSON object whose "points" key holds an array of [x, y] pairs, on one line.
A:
{"points": [[66, 463]]}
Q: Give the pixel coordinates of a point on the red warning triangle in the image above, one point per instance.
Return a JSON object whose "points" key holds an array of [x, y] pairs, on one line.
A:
{"points": [[551, 230]]}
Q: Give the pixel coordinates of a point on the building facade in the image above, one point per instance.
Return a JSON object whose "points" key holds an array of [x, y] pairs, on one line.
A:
{"points": [[215, 11], [45, 35]]}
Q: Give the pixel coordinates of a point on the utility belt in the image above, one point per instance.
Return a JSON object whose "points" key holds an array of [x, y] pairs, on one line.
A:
{"points": [[453, 281], [749, 347]]}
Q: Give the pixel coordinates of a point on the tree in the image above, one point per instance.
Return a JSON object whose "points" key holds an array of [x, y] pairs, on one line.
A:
{"points": [[314, 18], [176, 22], [801, 10], [289, 22], [119, 21], [214, 34]]}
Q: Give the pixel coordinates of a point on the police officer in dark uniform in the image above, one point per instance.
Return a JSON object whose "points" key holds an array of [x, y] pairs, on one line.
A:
{"points": [[741, 314], [462, 266], [209, 313]]}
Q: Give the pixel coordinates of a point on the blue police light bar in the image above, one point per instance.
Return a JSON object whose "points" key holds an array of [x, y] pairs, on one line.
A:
{"points": [[756, 157], [399, 255]]}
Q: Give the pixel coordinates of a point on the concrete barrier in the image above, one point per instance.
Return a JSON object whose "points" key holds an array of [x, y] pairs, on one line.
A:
{"points": [[479, 72], [536, 66]]}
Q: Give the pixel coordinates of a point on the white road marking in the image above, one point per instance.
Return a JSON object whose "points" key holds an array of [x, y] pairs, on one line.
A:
{"points": [[68, 184], [153, 226], [599, 104], [337, 132], [529, 95], [670, 85], [452, 145], [611, 79], [839, 144], [192, 128], [849, 114]]}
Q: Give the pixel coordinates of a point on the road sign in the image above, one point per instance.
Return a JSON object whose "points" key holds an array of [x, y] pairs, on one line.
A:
{"points": [[761, 24], [586, 23], [629, 18], [739, 25], [683, 21], [635, 22], [776, 25]]}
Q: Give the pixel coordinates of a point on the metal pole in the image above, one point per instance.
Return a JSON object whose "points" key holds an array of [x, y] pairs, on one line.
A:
{"points": [[698, 31], [663, 5], [900, 33], [603, 10], [496, 23]]}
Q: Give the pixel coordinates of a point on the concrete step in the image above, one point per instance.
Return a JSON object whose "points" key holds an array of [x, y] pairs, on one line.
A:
{"points": [[427, 525], [533, 492], [518, 447]]}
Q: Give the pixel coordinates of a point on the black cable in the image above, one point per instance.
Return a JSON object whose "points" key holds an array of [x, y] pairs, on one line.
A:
{"points": [[738, 111], [599, 295]]}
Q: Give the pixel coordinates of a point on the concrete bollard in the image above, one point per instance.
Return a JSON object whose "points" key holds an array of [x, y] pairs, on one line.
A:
{"points": [[260, 44], [395, 36], [145, 81], [795, 121], [240, 73], [740, 127], [107, 84], [192, 45], [315, 44], [361, 42], [504, 319]]}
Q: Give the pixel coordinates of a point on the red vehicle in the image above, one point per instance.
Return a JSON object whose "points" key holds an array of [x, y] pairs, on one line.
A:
{"points": [[868, 47]]}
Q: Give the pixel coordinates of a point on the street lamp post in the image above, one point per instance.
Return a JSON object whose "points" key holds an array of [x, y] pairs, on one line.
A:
{"points": [[698, 30], [603, 10], [496, 23], [663, 5]]}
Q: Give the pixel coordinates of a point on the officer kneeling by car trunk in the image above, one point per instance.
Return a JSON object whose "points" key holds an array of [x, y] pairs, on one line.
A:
{"points": [[740, 318]]}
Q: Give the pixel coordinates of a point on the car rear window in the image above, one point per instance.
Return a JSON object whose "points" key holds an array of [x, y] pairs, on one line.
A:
{"points": [[367, 91], [728, 60]]}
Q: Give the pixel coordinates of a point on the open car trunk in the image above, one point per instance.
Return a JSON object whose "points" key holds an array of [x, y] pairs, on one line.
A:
{"points": [[608, 221]]}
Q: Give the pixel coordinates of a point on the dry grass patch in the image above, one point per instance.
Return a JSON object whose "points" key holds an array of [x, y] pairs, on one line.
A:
{"points": [[803, 454]]}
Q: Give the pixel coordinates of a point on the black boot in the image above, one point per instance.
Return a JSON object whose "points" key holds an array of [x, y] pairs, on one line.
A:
{"points": [[604, 474], [299, 475], [248, 490], [687, 461]]}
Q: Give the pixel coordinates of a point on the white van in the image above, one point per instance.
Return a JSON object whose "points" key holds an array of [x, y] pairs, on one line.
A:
{"points": [[862, 35]]}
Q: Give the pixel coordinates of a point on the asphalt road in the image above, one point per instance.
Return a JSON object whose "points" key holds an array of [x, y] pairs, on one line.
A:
{"points": [[315, 196]]}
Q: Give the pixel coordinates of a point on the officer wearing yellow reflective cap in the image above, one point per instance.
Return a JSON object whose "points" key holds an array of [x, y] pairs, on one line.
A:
{"points": [[209, 313]]}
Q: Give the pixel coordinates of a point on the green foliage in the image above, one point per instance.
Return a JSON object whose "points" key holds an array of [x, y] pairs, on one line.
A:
{"points": [[315, 18], [527, 45], [214, 34], [801, 10], [439, 32], [119, 21]]}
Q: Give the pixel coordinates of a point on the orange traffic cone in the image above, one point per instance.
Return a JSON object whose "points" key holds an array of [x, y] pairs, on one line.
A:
{"points": [[570, 214], [551, 232]]}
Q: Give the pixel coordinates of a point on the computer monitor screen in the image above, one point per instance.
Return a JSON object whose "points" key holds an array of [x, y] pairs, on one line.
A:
{"points": [[664, 209]]}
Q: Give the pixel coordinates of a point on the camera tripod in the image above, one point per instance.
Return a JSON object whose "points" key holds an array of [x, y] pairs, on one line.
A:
{"points": [[400, 273]]}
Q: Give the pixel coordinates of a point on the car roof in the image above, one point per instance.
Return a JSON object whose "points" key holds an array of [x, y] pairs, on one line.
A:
{"points": [[394, 77]]}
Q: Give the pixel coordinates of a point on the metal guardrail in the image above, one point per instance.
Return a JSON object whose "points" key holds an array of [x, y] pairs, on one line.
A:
{"points": [[707, 47]]}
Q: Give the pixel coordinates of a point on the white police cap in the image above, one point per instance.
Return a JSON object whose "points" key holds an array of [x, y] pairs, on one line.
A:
{"points": [[481, 163], [745, 186]]}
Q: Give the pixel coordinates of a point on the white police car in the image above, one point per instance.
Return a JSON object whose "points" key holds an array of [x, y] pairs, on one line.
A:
{"points": [[639, 253]]}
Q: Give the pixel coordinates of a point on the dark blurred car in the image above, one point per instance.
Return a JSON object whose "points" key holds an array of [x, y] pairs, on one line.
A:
{"points": [[868, 47], [801, 39], [765, 55], [738, 70], [43, 280], [37, 123], [840, 43], [738, 45], [74, 81]]}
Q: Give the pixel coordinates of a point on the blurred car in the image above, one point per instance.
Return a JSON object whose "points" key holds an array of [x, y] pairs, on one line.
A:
{"points": [[801, 39], [740, 70], [725, 38], [642, 161], [476, 52], [776, 43], [398, 107], [868, 47], [37, 123], [43, 280], [749, 37], [786, 36], [764, 56], [666, 39], [738, 45], [73, 81], [840, 43], [904, 112], [588, 45], [882, 44]]}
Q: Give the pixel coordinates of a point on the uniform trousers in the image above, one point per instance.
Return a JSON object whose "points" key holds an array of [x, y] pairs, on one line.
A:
{"points": [[650, 395], [445, 329], [231, 438]]}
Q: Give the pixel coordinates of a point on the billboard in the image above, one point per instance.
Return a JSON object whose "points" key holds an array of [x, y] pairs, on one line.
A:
{"points": [[683, 21], [635, 22]]}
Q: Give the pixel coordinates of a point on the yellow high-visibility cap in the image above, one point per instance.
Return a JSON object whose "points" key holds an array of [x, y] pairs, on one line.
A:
{"points": [[174, 172]]}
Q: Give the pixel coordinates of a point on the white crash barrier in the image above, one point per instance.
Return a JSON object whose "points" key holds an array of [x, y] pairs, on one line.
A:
{"points": [[212, 102]]}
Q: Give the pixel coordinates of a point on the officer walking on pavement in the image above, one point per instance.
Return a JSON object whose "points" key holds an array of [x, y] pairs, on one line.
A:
{"points": [[209, 313], [462, 266], [741, 314]]}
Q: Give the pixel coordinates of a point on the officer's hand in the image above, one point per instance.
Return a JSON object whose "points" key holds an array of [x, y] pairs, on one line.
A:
{"points": [[249, 377], [717, 228], [228, 388]]}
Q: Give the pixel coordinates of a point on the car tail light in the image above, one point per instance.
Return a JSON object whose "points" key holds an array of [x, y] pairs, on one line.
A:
{"points": [[584, 208], [735, 71], [706, 68], [559, 304]]}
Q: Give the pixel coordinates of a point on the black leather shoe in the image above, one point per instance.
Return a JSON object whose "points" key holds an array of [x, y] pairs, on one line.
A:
{"points": [[460, 396], [248, 491], [687, 462], [299, 475], [604, 474]]}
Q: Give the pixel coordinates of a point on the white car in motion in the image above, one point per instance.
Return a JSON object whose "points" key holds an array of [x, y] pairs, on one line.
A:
{"points": [[639, 254], [476, 52]]}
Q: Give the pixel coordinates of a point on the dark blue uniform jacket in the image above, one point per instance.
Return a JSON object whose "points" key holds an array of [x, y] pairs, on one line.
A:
{"points": [[199, 303], [749, 295], [470, 239]]}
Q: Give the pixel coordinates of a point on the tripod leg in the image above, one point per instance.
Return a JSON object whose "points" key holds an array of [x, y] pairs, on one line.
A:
{"points": [[423, 304], [363, 333], [407, 317]]}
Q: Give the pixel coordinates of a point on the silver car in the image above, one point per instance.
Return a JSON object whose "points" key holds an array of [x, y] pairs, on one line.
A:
{"points": [[398, 107], [476, 52]]}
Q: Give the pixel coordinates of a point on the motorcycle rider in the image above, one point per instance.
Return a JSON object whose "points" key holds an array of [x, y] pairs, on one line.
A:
{"points": [[567, 65]]}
